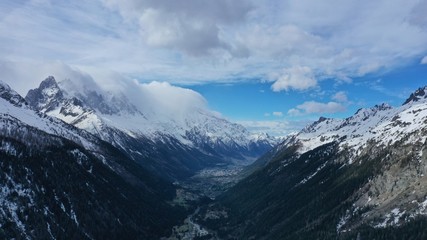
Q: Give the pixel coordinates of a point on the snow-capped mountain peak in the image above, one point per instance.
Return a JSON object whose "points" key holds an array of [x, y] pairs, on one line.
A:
{"points": [[365, 115], [142, 118], [371, 165], [315, 126], [10, 95], [96, 98], [46, 97], [381, 124], [49, 167], [16, 112], [100, 108], [418, 95], [366, 112]]}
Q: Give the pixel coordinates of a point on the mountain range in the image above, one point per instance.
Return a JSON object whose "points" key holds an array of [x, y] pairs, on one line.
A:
{"points": [[361, 177], [173, 142], [80, 162], [61, 182]]}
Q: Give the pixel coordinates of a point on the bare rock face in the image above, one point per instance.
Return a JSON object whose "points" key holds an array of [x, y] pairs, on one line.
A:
{"points": [[11, 96], [46, 97], [397, 194], [418, 95]]}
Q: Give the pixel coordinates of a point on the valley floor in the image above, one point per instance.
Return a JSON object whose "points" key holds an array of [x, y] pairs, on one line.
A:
{"points": [[199, 190], [211, 182]]}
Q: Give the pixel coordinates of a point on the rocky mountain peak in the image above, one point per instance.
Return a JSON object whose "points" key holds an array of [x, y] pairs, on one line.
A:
{"points": [[416, 96], [312, 127], [46, 97], [374, 109], [365, 113], [383, 107], [49, 82], [113, 117], [321, 119], [11, 96]]}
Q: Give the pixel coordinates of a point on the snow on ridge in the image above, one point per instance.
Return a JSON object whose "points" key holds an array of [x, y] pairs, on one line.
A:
{"points": [[382, 124], [418, 96], [29, 117], [142, 110], [11, 95]]}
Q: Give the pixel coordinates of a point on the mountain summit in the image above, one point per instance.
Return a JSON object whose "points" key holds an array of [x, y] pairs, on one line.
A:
{"points": [[176, 140], [47, 97], [61, 182], [418, 95], [363, 177], [11, 96]]}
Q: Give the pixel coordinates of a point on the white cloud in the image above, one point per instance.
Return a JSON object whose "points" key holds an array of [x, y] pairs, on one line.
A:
{"points": [[223, 40], [351, 39], [278, 41], [275, 128], [298, 78], [424, 60], [221, 11], [340, 97], [160, 98], [23, 76], [294, 112], [277, 114], [311, 107], [193, 27], [163, 101], [164, 30]]}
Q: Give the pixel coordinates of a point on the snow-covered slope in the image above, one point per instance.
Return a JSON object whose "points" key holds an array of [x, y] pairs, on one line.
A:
{"points": [[156, 115], [380, 124], [56, 181], [363, 177], [14, 108]]}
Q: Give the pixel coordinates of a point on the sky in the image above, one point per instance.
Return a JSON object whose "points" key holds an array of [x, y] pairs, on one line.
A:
{"points": [[271, 65]]}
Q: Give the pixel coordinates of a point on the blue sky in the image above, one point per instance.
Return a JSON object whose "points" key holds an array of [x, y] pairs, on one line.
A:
{"points": [[254, 100], [392, 88], [271, 65]]}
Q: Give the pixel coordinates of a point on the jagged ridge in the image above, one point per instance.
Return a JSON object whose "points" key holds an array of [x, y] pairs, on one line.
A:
{"points": [[360, 177], [201, 140], [57, 181]]}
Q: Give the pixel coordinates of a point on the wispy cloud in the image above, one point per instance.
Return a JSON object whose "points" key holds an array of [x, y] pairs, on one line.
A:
{"points": [[311, 107], [193, 27], [25, 75], [298, 78], [275, 128], [340, 97], [294, 44], [339, 103]]}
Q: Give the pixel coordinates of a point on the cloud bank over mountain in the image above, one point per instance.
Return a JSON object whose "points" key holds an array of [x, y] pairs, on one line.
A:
{"points": [[293, 44]]}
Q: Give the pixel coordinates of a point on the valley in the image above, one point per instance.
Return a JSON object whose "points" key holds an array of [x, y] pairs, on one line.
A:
{"points": [[200, 190], [362, 176], [212, 182], [213, 120], [335, 178]]}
